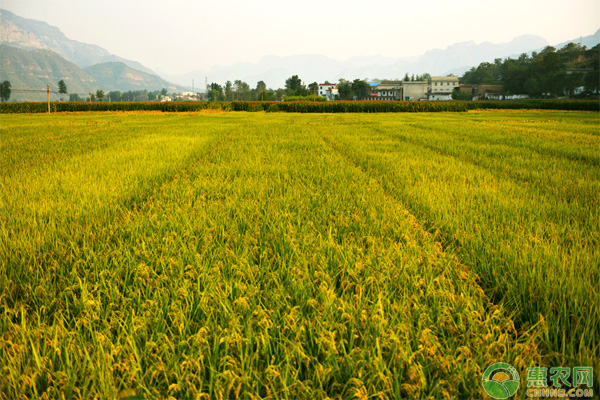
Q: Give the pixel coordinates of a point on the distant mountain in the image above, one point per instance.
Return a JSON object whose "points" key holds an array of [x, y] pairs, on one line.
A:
{"points": [[587, 41], [315, 67], [29, 71], [30, 34], [118, 76], [465, 55]]}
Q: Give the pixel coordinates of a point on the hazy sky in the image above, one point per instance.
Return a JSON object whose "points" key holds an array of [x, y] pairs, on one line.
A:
{"points": [[177, 36]]}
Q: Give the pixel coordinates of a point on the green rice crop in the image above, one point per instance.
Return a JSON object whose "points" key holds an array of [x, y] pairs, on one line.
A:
{"points": [[274, 255]]}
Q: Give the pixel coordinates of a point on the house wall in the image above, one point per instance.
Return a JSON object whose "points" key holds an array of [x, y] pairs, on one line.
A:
{"points": [[386, 90], [439, 96], [414, 90], [443, 84], [328, 91]]}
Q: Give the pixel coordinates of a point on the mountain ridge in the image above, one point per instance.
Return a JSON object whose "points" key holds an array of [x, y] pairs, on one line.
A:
{"points": [[29, 71], [26, 33], [317, 67]]}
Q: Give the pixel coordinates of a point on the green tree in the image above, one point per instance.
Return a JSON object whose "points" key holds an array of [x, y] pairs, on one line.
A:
{"points": [[261, 91], [345, 89], [313, 89], [485, 73], [549, 71], [406, 77], [62, 88], [163, 92], [114, 96], [591, 81], [228, 91], [279, 94], [458, 95], [514, 74], [294, 86], [360, 89], [5, 91], [242, 90], [215, 92], [100, 94]]}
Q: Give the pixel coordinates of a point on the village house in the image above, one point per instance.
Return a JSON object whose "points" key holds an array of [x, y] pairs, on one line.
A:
{"points": [[390, 90], [441, 87], [386, 90], [328, 90], [486, 91], [415, 90]]}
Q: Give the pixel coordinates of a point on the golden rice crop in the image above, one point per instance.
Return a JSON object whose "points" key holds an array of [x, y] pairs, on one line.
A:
{"points": [[292, 255]]}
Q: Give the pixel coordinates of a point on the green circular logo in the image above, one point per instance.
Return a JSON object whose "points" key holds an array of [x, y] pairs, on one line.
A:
{"points": [[501, 380]]}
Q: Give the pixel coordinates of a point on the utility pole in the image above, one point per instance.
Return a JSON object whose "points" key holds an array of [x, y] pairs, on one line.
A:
{"points": [[48, 92]]}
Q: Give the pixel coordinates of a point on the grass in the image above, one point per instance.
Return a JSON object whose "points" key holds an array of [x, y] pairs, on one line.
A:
{"points": [[294, 256]]}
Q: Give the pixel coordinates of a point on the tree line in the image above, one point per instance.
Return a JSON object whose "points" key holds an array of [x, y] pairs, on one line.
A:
{"points": [[549, 73]]}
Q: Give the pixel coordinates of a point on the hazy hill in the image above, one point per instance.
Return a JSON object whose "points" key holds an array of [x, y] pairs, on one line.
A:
{"points": [[118, 76], [31, 34], [455, 59], [314, 67], [587, 41], [34, 69], [468, 54]]}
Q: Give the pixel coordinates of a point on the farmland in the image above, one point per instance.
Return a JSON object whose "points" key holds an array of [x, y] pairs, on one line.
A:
{"points": [[295, 255]]}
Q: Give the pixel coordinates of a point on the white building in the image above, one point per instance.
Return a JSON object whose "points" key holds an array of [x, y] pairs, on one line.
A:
{"points": [[328, 90]]}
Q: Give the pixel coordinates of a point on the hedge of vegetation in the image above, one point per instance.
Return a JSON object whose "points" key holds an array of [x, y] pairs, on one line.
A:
{"points": [[304, 98], [305, 106]]}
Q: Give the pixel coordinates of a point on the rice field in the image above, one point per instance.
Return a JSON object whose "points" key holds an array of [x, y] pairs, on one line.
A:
{"points": [[255, 255]]}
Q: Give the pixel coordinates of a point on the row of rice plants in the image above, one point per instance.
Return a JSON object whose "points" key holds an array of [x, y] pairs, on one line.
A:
{"points": [[304, 106], [228, 255], [519, 206]]}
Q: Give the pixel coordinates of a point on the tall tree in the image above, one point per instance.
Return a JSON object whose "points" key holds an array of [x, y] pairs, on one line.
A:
{"points": [[100, 94], [261, 88], [242, 90], [294, 86], [313, 89], [5, 91], [345, 89], [62, 87], [114, 96], [228, 91], [514, 75], [591, 81], [215, 92], [360, 89], [549, 72]]}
